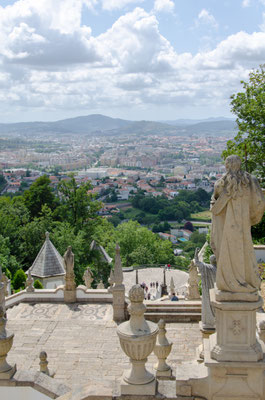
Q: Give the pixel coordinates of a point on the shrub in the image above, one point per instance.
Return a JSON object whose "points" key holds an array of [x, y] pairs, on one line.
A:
{"points": [[19, 279], [37, 284]]}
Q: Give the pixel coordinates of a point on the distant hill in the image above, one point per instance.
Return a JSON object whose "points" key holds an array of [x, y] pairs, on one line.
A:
{"points": [[97, 124]]}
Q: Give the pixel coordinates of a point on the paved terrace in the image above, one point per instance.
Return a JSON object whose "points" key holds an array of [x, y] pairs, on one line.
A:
{"points": [[81, 341], [148, 275]]}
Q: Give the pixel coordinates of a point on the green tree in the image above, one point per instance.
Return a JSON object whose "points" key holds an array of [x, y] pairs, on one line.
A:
{"points": [[38, 194], [78, 207], [19, 279], [249, 107]]}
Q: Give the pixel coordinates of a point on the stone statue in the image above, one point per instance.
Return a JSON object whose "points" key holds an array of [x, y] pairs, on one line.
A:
{"points": [[208, 277], [237, 204], [88, 278], [193, 282], [29, 282], [69, 260], [70, 286]]}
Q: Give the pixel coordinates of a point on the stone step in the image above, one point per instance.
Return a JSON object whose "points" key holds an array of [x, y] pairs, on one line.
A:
{"points": [[181, 310], [173, 317]]}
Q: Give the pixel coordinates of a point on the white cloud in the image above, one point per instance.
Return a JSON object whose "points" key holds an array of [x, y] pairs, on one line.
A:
{"points": [[46, 32], [136, 45], [46, 66], [245, 3], [164, 6], [205, 17], [117, 4]]}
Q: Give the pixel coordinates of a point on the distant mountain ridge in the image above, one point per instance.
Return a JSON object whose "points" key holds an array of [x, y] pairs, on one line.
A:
{"points": [[97, 124]]}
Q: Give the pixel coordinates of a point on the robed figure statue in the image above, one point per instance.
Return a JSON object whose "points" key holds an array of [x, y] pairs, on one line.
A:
{"points": [[237, 204]]}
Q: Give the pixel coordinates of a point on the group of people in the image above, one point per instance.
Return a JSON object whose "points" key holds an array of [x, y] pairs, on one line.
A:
{"points": [[153, 285]]}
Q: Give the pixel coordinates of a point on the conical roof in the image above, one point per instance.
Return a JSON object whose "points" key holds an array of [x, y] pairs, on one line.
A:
{"points": [[48, 262]]}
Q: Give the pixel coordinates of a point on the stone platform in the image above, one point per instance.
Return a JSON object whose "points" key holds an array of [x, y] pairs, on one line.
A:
{"points": [[81, 342]]}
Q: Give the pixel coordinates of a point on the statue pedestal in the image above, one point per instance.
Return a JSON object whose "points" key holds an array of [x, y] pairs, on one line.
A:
{"points": [[118, 302], [206, 333], [69, 296], [234, 360], [235, 338]]}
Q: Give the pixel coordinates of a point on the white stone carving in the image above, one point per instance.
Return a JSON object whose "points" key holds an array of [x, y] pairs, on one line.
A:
{"points": [[237, 203], [137, 338], [162, 350]]}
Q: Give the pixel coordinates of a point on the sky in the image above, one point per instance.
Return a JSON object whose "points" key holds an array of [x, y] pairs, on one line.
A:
{"points": [[131, 59]]}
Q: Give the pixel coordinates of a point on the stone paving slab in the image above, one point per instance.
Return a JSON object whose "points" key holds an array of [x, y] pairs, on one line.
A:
{"points": [[81, 341]]}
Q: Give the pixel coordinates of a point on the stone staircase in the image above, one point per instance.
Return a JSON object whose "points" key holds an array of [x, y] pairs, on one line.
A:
{"points": [[177, 311]]}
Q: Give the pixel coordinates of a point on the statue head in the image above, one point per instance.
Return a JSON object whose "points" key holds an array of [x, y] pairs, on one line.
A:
{"points": [[233, 164], [235, 179], [213, 260]]}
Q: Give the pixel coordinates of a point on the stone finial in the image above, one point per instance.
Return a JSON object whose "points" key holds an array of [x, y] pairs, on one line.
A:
{"points": [[47, 235], [29, 282], [88, 277], [136, 277], [137, 338], [118, 274], [6, 341], [100, 285], [162, 350], [44, 364]]}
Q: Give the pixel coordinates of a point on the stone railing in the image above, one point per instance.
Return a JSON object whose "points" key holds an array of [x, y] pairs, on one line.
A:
{"points": [[83, 295]]}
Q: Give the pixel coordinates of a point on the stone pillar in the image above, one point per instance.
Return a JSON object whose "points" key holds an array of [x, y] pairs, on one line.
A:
{"points": [[136, 277], [137, 338], [172, 287], [118, 290], [70, 286], [162, 350], [235, 338], [6, 338], [193, 281]]}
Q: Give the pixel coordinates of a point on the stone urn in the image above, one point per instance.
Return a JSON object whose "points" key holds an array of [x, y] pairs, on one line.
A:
{"points": [[162, 350], [137, 338]]}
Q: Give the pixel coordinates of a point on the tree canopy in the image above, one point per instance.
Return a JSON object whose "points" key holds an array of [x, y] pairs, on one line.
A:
{"points": [[249, 107]]}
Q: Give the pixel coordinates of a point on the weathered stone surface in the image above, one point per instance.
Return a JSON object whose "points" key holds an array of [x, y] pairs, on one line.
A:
{"points": [[137, 338], [81, 342], [237, 204], [193, 282], [208, 277], [235, 338]]}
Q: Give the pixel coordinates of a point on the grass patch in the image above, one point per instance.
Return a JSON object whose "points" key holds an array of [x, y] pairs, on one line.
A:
{"points": [[202, 216]]}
